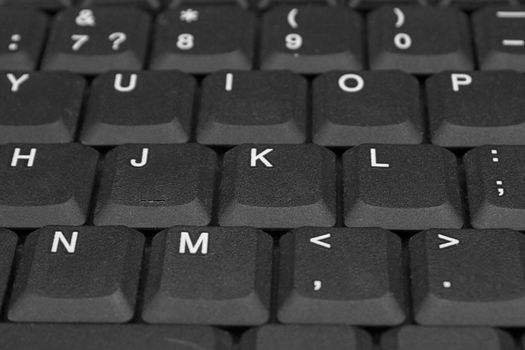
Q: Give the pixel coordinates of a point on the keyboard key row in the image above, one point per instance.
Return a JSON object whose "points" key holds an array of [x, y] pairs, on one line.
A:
{"points": [[223, 276], [399, 187], [269, 337], [464, 109], [304, 39]]}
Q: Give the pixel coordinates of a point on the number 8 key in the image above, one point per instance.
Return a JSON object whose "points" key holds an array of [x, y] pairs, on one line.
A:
{"points": [[96, 40]]}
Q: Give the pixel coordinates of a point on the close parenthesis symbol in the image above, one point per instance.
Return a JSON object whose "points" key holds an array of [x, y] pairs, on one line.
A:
{"points": [[400, 17], [292, 18]]}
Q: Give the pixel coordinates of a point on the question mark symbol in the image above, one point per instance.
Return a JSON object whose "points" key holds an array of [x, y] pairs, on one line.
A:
{"points": [[117, 38]]}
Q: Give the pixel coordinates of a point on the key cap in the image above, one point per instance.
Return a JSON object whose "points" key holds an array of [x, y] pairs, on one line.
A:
{"points": [[94, 273], [401, 187], [40, 107], [499, 34], [420, 40], [311, 39], [495, 181], [8, 241], [468, 277], [433, 338], [147, 4], [209, 275], [21, 38], [267, 3], [278, 187], [96, 40], [474, 109], [45, 184], [142, 186], [260, 107], [143, 107], [351, 109], [341, 276], [43, 4], [204, 39], [279, 337], [111, 337], [175, 3]]}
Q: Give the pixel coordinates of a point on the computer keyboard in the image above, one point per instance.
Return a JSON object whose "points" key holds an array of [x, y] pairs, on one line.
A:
{"points": [[262, 175]]}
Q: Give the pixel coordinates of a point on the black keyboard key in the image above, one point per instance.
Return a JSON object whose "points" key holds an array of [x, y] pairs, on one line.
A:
{"points": [[209, 275], [45, 184], [468, 277], [147, 4], [279, 337], [478, 108], [22, 36], [157, 186], [94, 273], [499, 34], [341, 276], [496, 186], [259, 107], [111, 337], [278, 187], [434, 338], [40, 107], [401, 187], [43, 4], [311, 39], [8, 241], [96, 40], [143, 107], [420, 40], [351, 109], [204, 39]]}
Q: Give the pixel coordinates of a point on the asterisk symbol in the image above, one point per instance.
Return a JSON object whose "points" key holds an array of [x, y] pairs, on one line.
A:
{"points": [[189, 15]]}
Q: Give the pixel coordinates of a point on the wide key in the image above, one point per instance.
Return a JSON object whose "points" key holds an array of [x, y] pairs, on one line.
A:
{"points": [[341, 276], [40, 107], [143, 107], [253, 107], [468, 277], [94, 273], [499, 34], [496, 186], [354, 108], [218, 276], [111, 337], [278, 186], [418, 39], [478, 108], [97, 40], [157, 186], [434, 338], [204, 39], [45, 184], [22, 37], [311, 39], [401, 187], [279, 337]]}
